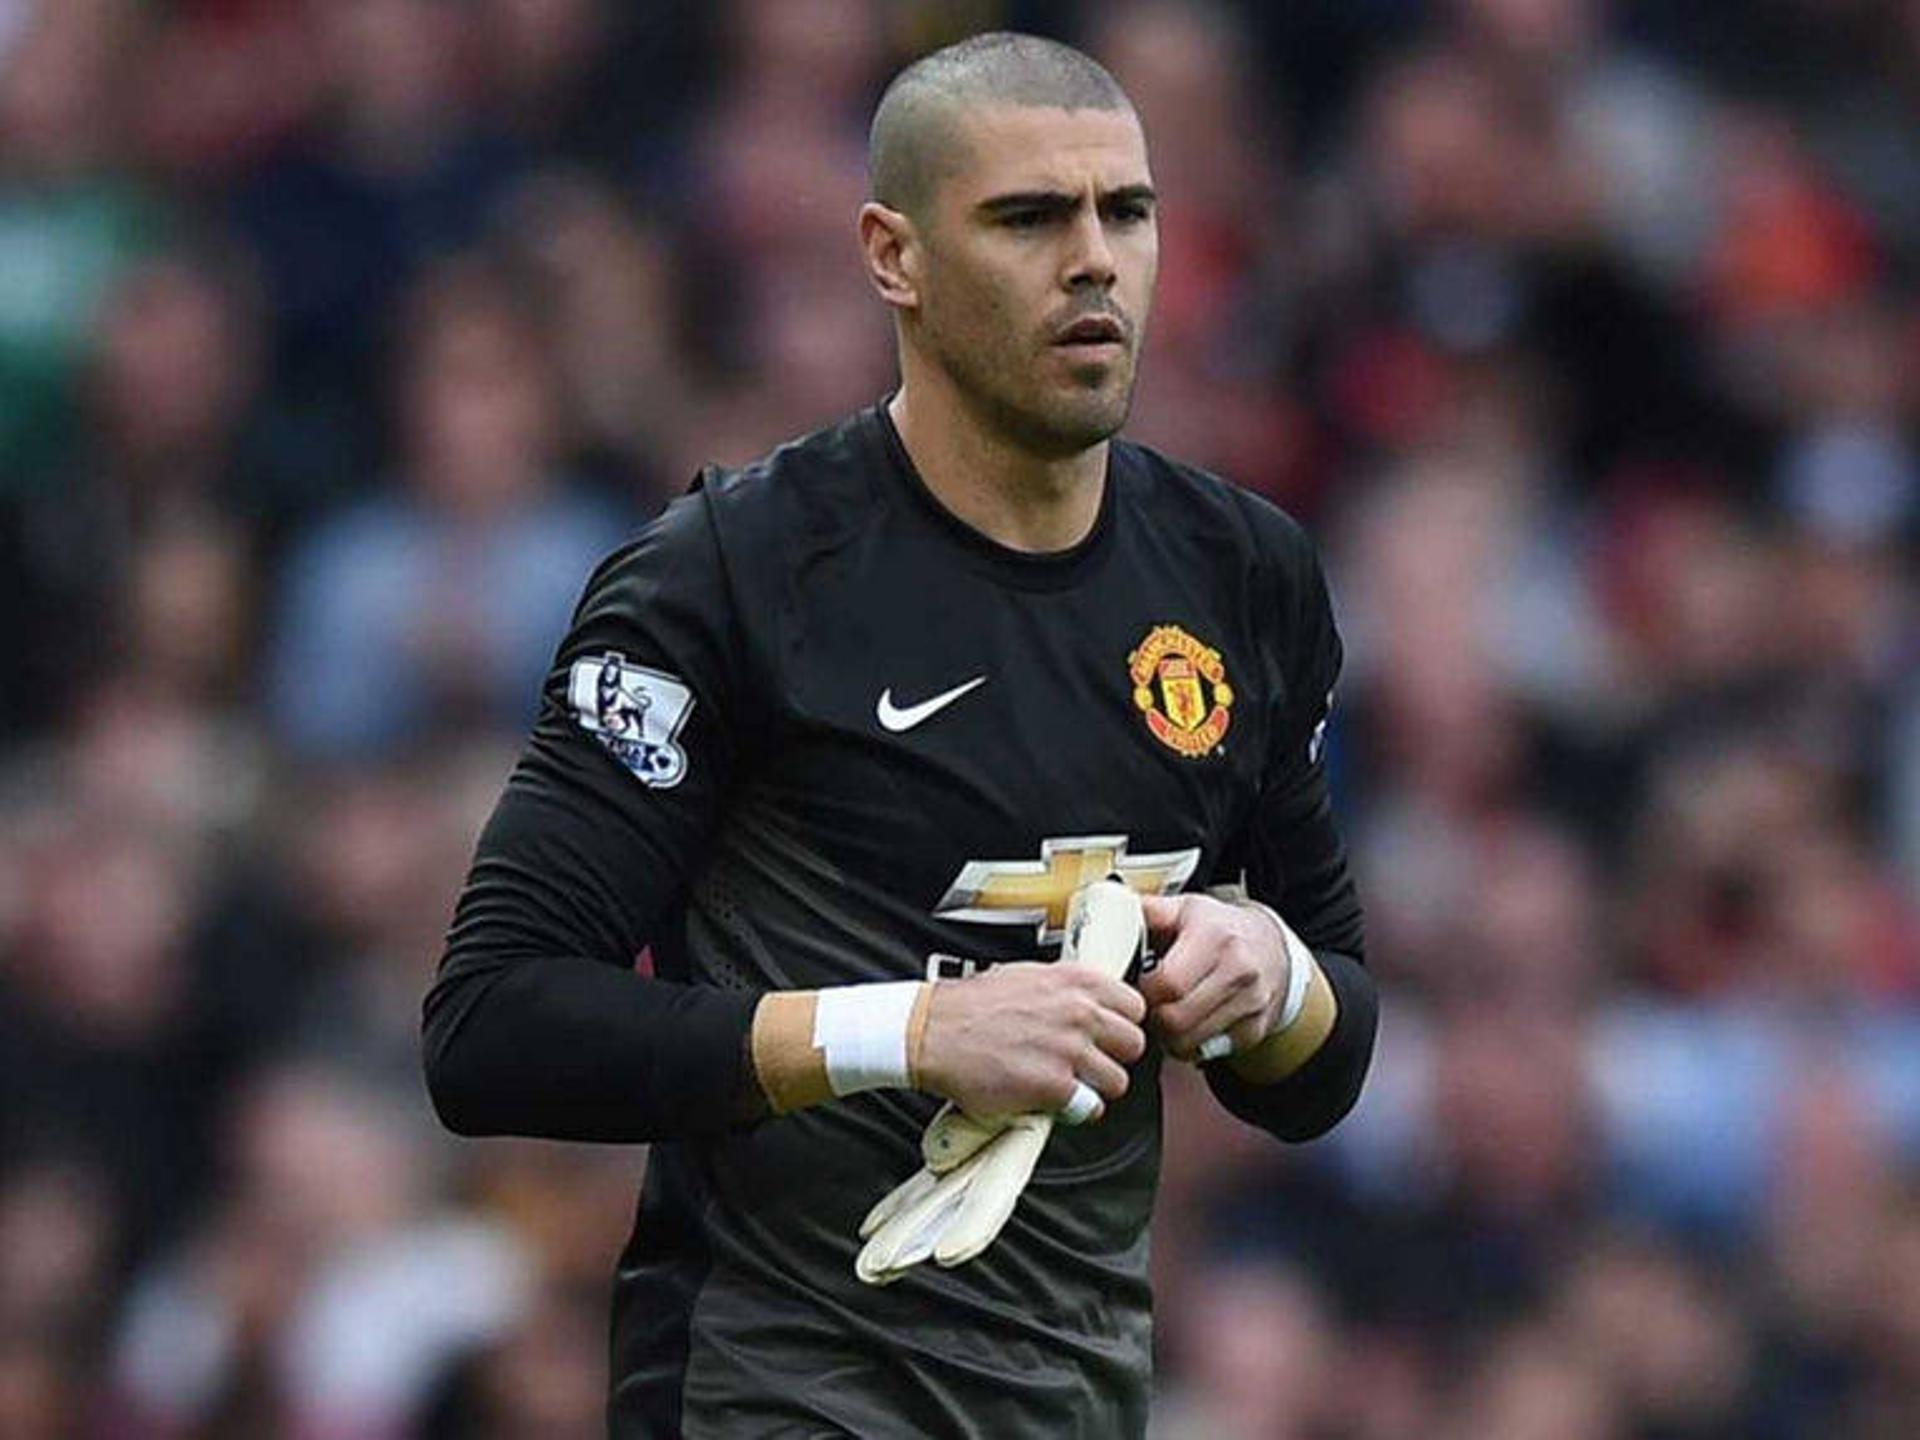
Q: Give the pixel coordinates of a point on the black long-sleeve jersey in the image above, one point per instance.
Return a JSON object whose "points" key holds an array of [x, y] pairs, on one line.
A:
{"points": [[811, 729]]}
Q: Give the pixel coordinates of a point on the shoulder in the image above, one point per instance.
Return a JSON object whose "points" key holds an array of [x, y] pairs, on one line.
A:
{"points": [[806, 492], [1212, 512], [756, 517]]}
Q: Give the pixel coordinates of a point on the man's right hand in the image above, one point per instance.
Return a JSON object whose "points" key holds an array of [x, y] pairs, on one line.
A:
{"points": [[1017, 1037]]}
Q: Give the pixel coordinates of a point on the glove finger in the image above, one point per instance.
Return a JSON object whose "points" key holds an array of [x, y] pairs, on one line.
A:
{"points": [[1105, 931], [1006, 1166], [955, 1135], [922, 1228], [912, 1223], [908, 1192]]}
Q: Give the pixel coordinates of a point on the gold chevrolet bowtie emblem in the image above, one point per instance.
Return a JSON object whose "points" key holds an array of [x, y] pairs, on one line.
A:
{"points": [[1036, 892]]}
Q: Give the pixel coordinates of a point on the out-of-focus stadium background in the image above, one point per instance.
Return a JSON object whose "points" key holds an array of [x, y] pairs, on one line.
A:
{"points": [[338, 338]]}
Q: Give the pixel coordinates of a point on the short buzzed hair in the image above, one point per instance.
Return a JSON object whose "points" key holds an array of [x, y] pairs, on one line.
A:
{"points": [[915, 138]]}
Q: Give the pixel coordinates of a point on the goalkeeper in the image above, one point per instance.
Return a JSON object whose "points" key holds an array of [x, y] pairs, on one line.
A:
{"points": [[845, 741]]}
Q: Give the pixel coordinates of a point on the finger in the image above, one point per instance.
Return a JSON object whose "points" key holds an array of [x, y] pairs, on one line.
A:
{"points": [[1247, 1033], [1178, 1018], [1119, 998], [1103, 1073], [1180, 968], [1237, 1018], [1121, 1038], [1083, 1105], [1163, 913]]}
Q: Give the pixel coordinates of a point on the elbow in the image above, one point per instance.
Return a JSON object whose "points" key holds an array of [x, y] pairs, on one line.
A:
{"points": [[1330, 1107], [454, 1100], [458, 1094]]}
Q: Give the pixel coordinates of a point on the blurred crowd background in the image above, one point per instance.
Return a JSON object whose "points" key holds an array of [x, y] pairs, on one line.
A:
{"points": [[338, 338]]}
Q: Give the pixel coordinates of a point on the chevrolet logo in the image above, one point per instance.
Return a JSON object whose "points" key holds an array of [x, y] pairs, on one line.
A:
{"points": [[1036, 892]]}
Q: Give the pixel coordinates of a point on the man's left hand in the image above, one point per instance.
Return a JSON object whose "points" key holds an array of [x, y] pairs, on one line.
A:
{"points": [[1222, 971]]}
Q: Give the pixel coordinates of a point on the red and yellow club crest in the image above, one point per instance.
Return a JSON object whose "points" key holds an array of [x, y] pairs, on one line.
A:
{"points": [[1181, 688]]}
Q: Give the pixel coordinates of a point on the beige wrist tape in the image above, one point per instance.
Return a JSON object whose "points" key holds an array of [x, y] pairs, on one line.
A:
{"points": [[811, 1045], [1306, 1017]]}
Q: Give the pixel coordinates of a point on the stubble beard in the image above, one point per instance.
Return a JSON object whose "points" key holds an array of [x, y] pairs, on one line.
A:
{"points": [[1054, 421]]}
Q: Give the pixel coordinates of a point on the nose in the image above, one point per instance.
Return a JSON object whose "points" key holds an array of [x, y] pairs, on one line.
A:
{"points": [[1090, 257]]}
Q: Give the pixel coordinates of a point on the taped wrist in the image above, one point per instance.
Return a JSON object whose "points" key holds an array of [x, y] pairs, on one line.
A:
{"points": [[1306, 1015], [812, 1045]]}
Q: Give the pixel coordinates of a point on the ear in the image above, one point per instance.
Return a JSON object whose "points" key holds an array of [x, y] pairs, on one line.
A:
{"points": [[891, 248]]}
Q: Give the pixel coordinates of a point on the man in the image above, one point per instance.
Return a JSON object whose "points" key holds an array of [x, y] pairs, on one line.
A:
{"points": [[908, 683]]}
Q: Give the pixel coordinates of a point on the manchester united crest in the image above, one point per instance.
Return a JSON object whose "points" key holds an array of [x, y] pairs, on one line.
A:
{"points": [[1181, 688]]}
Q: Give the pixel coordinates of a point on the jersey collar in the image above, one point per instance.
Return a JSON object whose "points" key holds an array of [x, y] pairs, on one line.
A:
{"points": [[1023, 569]]}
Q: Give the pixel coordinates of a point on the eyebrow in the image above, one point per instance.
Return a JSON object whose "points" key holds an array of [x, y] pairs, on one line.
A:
{"points": [[1057, 200]]}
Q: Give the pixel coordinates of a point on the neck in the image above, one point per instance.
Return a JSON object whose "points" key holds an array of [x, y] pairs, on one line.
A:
{"points": [[1025, 501]]}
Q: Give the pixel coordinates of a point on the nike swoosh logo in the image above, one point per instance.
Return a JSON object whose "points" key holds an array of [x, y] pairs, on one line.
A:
{"points": [[898, 720]]}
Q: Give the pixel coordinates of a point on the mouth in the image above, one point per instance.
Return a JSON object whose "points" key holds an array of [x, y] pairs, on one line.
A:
{"points": [[1092, 333]]}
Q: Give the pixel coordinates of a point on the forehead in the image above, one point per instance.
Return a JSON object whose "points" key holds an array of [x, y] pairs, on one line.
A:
{"points": [[1008, 148]]}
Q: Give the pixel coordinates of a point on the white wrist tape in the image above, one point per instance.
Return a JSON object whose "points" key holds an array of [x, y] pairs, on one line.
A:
{"points": [[1300, 968], [861, 1032]]}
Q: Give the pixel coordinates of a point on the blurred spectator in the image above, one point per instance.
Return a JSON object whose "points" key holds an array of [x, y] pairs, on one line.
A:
{"points": [[1643, 135], [1213, 392], [544, 1377], [397, 169], [40, 1396], [58, 1251], [598, 83], [1261, 1349], [323, 1299], [1890, 1402], [611, 289], [357, 847], [462, 579], [141, 545], [1665, 1339], [68, 222], [222, 82], [786, 324], [1533, 1386]]}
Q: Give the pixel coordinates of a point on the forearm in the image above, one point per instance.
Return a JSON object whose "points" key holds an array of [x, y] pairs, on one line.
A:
{"points": [[1316, 1084], [537, 1023], [565, 1048], [1299, 1084]]}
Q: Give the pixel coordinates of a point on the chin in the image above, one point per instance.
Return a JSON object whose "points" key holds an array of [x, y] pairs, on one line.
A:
{"points": [[1063, 429], [1091, 415], [1061, 420]]}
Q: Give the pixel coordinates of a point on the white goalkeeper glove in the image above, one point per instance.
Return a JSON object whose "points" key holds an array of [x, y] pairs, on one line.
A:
{"points": [[976, 1168]]}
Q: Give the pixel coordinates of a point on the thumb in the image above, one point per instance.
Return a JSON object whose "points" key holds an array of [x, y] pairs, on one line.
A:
{"points": [[1162, 912]]}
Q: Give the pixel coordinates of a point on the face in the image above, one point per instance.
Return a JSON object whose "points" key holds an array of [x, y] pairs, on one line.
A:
{"points": [[1034, 272]]}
